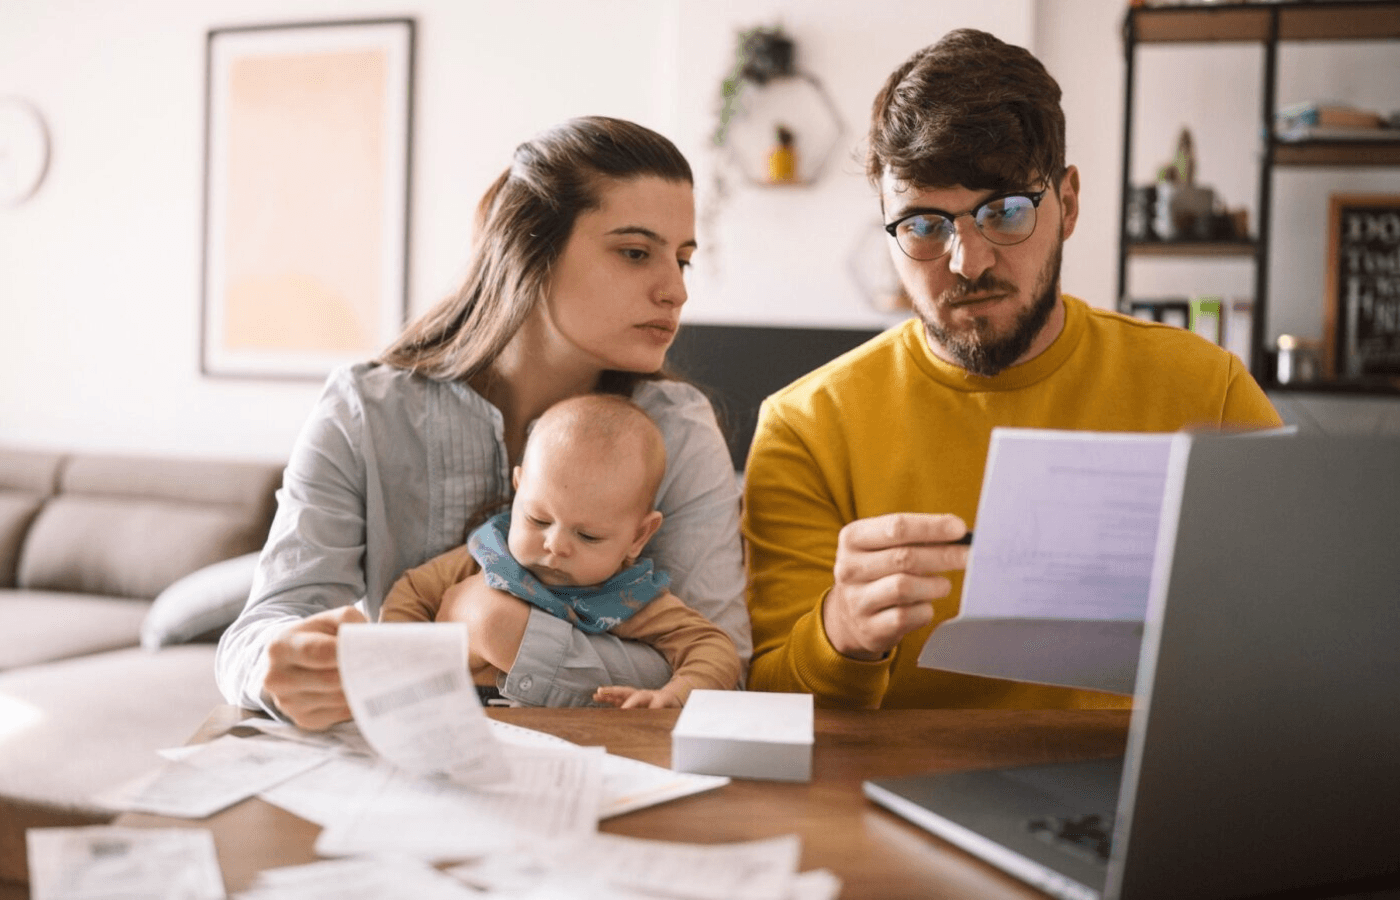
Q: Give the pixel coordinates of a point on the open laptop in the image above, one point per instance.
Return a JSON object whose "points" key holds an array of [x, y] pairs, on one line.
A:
{"points": [[1264, 750]]}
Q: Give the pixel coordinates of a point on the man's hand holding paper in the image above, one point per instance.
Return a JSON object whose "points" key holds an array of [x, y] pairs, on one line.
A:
{"points": [[889, 571]]}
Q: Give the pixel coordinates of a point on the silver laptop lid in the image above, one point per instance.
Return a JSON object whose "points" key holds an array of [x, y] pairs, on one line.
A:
{"points": [[1266, 733]]}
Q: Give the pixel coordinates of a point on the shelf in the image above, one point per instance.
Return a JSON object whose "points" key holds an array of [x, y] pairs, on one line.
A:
{"points": [[1267, 25], [1191, 248], [1236, 22], [1337, 153]]}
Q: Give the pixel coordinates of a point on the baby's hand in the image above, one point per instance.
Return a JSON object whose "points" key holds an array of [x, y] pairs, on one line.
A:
{"points": [[635, 698]]}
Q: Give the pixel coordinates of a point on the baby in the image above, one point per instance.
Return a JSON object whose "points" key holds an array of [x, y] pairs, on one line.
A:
{"points": [[583, 511]]}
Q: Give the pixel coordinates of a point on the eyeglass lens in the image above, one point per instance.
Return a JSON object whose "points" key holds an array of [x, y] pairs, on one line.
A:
{"points": [[1004, 220]]}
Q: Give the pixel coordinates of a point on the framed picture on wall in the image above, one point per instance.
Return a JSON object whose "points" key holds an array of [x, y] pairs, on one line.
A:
{"points": [[1362, 322], [307, 138]]}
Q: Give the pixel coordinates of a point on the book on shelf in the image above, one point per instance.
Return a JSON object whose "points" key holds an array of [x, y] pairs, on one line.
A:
{"points": [[1314, 121], [1337, 133]]}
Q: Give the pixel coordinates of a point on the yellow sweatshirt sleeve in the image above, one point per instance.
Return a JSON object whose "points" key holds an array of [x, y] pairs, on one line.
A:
{"points": [[791, 523]]}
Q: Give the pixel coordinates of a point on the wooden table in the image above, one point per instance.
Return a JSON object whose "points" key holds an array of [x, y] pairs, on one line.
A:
{"points": [[876, 854]]}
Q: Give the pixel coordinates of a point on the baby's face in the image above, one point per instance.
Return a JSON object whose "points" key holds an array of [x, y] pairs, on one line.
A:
{"points": [[575, 525]]}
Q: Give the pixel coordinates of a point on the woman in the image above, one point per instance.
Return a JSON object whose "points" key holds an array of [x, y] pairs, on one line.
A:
{"points": [[576, 286]]}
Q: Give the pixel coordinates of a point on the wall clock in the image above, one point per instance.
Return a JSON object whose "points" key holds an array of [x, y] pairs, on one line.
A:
{"points": [[24, 150]]}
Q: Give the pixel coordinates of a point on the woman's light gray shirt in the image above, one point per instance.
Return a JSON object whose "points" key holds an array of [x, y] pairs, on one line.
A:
{"points": [[385, 475]]}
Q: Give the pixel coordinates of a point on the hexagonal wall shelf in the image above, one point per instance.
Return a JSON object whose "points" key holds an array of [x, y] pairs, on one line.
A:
{"points": [[796, 103]]}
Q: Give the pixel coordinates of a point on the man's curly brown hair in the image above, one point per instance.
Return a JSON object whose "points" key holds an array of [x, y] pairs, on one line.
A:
{"points": [[970, 110]]}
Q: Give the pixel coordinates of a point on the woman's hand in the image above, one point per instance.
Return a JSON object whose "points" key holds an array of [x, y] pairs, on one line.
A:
{"points": [[303, 677]]}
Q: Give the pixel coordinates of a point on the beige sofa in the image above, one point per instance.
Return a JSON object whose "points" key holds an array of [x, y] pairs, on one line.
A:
{"points": [[116, 572]]}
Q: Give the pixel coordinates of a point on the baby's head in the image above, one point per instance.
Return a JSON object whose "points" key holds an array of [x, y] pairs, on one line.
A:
{"points": [[585, 490]]}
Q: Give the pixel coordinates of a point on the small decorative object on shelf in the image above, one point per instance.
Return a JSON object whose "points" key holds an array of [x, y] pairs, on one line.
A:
{"points": [[766, 95], [1297, 359], [1185, 209], [763, 54], [1206, 319], [782, 160]]}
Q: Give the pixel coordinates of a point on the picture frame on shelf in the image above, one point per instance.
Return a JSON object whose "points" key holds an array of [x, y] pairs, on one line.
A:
{"points": [[1361, 339], [307, 136]]}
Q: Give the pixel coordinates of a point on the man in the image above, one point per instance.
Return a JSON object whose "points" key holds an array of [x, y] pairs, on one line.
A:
{"points": [[863, 472]]}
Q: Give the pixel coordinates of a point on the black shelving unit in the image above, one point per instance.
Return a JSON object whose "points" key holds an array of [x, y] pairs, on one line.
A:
{"points": [[1269, 25]]}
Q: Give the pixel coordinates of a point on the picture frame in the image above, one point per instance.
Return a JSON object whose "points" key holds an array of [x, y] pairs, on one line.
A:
{"points": [[308, 133], [1361, 329]]}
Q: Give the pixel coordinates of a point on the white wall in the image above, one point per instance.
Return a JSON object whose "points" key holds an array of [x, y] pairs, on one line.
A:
{"points": [[100, 271]]}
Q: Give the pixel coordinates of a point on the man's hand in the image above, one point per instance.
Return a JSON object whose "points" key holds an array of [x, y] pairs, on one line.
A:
{"points": [[303, 677], [887, 575], [624, 697]]}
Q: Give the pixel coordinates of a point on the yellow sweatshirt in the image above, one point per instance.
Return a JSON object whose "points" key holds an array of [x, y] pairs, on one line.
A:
{"points": [[889, 427]]}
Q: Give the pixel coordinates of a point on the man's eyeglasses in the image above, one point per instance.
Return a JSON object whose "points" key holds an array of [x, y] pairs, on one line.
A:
{"points": [[1005, 220]]}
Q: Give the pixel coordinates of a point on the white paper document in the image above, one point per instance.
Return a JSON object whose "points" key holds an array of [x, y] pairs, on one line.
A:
{"points": [[550, 795], [414, 701], [612, 867], [100, 862], [1066, 525], [628, 784], [377, 877], [206, 778], [1057, 582], [750, 870]]}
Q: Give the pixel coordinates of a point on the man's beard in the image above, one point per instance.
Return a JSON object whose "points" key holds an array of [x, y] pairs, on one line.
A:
{"points": [[978, 349]]}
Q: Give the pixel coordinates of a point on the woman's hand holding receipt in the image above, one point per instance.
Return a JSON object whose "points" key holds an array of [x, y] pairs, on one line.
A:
{"points": [[303, 677], [888, 572]]}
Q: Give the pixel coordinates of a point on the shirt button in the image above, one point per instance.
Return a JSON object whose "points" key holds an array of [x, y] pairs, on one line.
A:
{"points": [[526, 683]]}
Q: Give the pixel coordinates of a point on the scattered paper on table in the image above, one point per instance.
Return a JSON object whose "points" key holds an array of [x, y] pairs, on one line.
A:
{"points": [[108, 861], [380, 877], [628, 784], [551, 794], [748, 870], [212, 776], [622, 868]]}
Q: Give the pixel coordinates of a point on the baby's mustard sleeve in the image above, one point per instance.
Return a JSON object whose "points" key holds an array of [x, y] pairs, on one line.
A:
{"points": [[417, 594]]}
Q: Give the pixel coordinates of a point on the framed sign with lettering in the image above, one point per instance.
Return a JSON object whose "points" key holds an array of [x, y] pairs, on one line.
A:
{"points": [[1362, 339]]}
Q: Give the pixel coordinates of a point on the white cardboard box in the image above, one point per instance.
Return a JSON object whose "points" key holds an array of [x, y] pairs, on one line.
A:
{"points": [[745, 734]]}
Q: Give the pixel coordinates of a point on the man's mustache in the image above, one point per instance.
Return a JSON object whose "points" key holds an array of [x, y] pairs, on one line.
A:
{"points": [[986, 283]]}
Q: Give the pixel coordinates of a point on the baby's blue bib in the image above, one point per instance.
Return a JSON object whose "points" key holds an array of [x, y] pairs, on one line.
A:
{"points": [[594, 609]]}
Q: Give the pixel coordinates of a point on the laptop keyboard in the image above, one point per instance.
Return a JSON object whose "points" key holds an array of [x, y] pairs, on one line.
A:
{"points": [[1087, 837]]}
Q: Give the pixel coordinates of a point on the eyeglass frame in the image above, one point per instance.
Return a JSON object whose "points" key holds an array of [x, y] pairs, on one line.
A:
{"points": [[1034, 196]]}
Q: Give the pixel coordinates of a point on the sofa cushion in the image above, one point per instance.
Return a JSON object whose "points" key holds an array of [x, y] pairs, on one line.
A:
{"points": [[17, 511], [128, 547], [200, 605], [30, 471], [42, 626], [131, 526], [27, 477], [72, 729]]}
